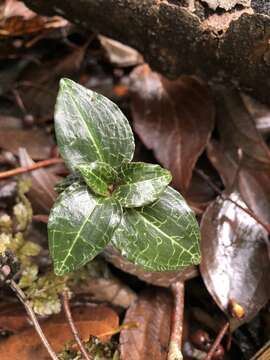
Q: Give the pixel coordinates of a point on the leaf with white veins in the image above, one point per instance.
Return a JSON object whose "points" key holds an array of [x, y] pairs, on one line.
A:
{"points": [[80, 226], [141, 184], [89, 127], [163, 236], [98, 176]]}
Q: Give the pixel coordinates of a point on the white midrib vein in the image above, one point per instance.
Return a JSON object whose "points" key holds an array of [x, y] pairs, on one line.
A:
{"points": [[87, 128]]}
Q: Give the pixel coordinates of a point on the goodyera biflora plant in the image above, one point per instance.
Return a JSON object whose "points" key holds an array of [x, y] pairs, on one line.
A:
{"points": [[113, 200]]}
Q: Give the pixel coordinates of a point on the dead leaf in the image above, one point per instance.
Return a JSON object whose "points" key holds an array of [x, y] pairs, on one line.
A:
{"points": [[235, 263], [16, 19], [42, 194], [110, 290], [249, 173], [120, 54], [158, 278], [13, 318], [150, 339], [173, 118], [90, 320], [36, 141]]}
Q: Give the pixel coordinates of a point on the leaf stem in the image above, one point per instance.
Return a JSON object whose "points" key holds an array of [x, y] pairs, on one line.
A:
{"points": [[218, 340], [175, 353], [24, 169], [21, 296], [72, 325]]}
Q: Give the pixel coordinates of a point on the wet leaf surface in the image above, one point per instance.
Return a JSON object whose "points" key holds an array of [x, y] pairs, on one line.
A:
{"points": [[167, 114], [150, 339], [235, 258], [90, 320]]}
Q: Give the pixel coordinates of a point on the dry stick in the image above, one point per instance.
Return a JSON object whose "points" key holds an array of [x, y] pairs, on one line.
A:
{"points": [[224, 197], [20, 294], [24, 169], [73, 328], [175, 345], [217, 341]]}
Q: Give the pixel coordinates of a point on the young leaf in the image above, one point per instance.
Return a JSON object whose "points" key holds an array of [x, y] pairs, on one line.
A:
{"points": [[163, 236], [142, 184], [89, 127], [98, 176], [80, 226]]}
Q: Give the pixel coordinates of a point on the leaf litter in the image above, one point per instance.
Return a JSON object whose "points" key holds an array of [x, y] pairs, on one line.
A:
{"points": [[184, 125]]}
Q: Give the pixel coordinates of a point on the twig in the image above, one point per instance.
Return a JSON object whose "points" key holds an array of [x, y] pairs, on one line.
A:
{"points": [[73, 327], [21, 296], [177, 322], [24, 169], [226, 197], [217, 342]]}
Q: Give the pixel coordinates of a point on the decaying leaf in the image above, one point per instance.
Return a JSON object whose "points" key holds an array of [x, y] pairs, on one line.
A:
{"points": [[242, 157], [150, 339], [120, 54], [37, 143], [167, 115], [90, 320], [42, 194], [235, 258]]}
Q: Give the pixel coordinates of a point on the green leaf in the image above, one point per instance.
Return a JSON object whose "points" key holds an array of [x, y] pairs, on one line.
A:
{"points": [[98, 176], [80, 226], [141, 184], [89, 127], [163, 236]]}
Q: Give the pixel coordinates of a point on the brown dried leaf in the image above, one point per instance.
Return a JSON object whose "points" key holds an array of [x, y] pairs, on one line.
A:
{"points": [[158, 278], [249, 173], [150, 339], [90, 320], [110, 290], [173, 118], [235, 261], [36, 141], [42, 194], [120, 54], [16, 19]]}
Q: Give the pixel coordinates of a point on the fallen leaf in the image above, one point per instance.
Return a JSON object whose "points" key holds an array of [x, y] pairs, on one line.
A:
{"points": [[42, 194], [235, 258], [120, 54], [241, 157], [110, 290], [16, 19], [13, 318], [37, 143], [150, 339], [90, 320], [173, 118], [158, 278]]}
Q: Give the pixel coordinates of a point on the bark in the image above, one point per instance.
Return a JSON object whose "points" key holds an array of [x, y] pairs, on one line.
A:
{"points": [[213, 38]]}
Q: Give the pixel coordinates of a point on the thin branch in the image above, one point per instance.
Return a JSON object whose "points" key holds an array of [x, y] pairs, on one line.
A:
{"points": [[21, 296], [226, 197], [73, 328], [175, 345], [24, 169], [217, 342]]}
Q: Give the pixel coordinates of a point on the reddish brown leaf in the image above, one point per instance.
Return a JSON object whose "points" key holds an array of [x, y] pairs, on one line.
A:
{"points": [[37, 143], [150, 339], [42, 194], [249, 172], [235, 263], [90, 320], [173, 118], [158, 278]]}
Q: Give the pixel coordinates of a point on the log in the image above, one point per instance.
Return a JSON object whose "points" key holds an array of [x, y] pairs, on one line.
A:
{"points": [[216, 39]]}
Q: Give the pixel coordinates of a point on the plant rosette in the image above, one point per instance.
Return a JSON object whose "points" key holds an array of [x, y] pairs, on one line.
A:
{"points": [[110, 199]]}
